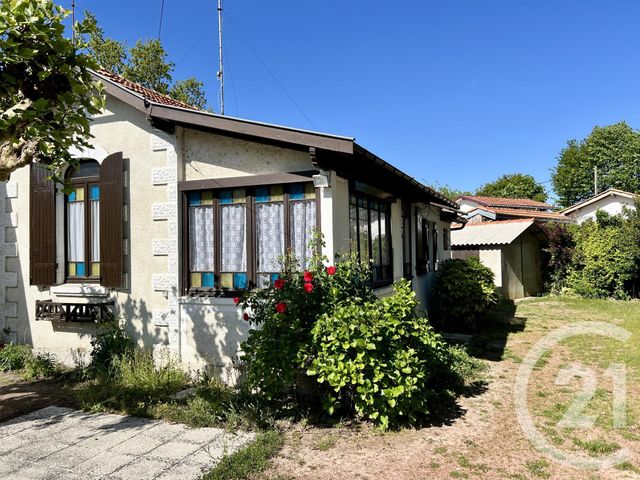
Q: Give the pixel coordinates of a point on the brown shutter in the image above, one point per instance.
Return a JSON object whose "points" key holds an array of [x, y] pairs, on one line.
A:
{"points": [[42, 227], [111, 219]]}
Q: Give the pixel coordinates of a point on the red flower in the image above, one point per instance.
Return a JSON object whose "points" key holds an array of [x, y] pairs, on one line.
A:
{"points": [[308, 287], [281, 307], [308, 276], [236, 300], [331, 270], [278, 284], [246, 316]]}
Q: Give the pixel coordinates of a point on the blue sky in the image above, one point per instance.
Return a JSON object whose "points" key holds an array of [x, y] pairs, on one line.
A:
{"points": [[453, 92]]}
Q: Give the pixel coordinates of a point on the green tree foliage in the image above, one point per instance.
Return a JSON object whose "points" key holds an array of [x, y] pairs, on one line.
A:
{"points": [[463, 294], [47, 92], [110, 54], [606, 260], [516, 185], [450, 192], [148, 65], [614, 150], [557, 255], [324, 335], [189, 91]]}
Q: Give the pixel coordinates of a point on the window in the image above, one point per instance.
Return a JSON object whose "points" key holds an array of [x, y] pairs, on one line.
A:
{"points": [[407, 270], [434, 244], [422, 244], [82, 232], [370, 227], [236, 237]]}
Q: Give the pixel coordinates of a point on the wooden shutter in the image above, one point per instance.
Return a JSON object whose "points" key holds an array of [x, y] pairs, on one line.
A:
{"points": [[42, 227], [111, 221]]}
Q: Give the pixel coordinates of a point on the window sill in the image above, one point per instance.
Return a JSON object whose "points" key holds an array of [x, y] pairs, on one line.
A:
{"points": [[82, 290]]}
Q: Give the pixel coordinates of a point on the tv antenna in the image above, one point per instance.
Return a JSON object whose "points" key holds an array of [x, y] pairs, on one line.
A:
{"points": [[220, 73], [73, 22]]}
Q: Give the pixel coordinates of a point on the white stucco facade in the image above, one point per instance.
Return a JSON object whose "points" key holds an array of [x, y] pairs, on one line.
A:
{"points": [[613, 202], [202, 332]]}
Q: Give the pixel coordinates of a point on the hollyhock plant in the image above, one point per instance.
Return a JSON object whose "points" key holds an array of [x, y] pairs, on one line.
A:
{"points": [[308, 276], [308, 287], [281, 307], [246, 316], [331, 270], [236, 300], [278, 284]]}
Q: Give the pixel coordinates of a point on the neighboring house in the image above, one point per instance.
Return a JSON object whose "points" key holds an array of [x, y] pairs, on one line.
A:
{"points": [[489, 209], [510, 248], [612, 201], [174, 211]]}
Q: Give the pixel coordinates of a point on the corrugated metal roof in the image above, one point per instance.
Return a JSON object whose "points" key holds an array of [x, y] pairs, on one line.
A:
{"points": [[489, 233]]}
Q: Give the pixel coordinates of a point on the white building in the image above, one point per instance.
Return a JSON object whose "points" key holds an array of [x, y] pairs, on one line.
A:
{"points": [[174, 211], [612, 201]]}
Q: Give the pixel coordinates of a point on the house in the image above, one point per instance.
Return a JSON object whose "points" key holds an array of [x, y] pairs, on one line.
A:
{"points": [[510, 248], [173, 211], [612, 201], [489, 209]]}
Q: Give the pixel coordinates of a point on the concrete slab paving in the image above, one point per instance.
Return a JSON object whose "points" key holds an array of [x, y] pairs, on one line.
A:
{"points": [[63, 444]]}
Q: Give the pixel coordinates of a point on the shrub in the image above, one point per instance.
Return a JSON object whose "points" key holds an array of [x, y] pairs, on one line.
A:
{"points": [[463, 294], [14, 357], [110, 342], [380, 360], [40, 365], [557, 255]]}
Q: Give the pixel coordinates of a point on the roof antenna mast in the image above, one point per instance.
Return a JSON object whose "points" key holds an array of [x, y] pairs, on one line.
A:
{"points": [[220, 74], [73, 22]]}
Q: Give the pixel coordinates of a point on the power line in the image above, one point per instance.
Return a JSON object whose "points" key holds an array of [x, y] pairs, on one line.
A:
{"points": [[161, 15], [266, 67]]}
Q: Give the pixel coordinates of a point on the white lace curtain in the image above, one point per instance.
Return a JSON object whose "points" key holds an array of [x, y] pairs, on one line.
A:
{"points": [[270, 235], [75, 232], [95, 231], [303, 223], [234, 242], [201, 239]]}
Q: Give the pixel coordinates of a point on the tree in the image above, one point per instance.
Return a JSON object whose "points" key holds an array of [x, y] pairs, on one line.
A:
{"points": [[613, 150], [190, 91], [516, 185], [148, 65], [47, 92], [109, 54], [449, 192]]}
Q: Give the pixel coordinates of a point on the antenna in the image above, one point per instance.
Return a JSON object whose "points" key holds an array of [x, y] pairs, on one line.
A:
{"points": [[73, 22], [220, 74]]}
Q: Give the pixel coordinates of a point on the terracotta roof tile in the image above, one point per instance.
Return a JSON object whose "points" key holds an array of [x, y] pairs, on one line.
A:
{"points": [[518, 212], [147, 93], [506, 202]]}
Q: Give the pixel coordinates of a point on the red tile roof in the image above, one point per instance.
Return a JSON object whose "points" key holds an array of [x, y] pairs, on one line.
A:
{"points": [[505, 202], [147, 93], [519, 212]]}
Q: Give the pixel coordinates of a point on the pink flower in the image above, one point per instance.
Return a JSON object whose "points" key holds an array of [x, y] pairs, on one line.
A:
{"points": [[281, 307], [236, 300], [278, 284], [246, 316], [331, 270], [308, 276], [308, 287]]}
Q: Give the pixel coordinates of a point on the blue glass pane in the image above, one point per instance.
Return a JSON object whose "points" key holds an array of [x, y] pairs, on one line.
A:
{"points": [[80, 269], [239, 280], [94, 192], [296, 192], [226, 196], [262, 194], [194, 198], [72, 196], [207, 280], [274, 276]]}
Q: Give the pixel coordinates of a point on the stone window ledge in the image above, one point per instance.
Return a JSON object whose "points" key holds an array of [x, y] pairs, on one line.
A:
{"points": [[82, 290]]}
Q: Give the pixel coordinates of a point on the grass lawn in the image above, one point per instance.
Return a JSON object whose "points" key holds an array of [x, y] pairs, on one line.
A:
{"points": [[481, 437]]}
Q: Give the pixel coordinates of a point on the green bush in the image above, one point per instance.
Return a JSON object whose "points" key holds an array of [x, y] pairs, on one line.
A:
{"points": [[606, 260], [14, 357], [110, 342], [381, 361], [40, 365], [463, 294], [325, 336]]}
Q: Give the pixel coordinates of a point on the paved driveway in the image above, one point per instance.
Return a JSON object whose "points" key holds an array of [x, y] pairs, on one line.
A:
{"points": [[61, 443]]}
